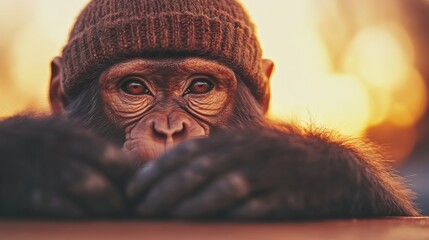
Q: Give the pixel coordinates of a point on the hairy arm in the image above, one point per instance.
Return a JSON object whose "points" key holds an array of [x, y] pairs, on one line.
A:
{"points": [[50, 168], [283, 173]]}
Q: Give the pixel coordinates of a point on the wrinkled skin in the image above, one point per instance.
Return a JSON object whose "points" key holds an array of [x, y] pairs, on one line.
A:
{"points": [[160, 103]]}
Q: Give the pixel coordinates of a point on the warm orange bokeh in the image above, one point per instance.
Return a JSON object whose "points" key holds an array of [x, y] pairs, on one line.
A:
{"points": [[344, 70]]}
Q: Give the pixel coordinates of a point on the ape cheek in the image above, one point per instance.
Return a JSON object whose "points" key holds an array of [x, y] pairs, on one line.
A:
{"points": [[156, 133]]}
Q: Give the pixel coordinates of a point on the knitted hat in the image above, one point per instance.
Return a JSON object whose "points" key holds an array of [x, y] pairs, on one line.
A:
{"points": [[109, 30]]}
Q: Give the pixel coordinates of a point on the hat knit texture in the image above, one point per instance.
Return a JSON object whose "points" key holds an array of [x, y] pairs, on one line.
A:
{"points": [[110, 30]]}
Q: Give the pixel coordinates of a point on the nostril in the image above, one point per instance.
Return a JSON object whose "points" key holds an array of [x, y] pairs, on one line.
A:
{"points": [[180, 132], [160, 135], [164, 132], [158, 131]]}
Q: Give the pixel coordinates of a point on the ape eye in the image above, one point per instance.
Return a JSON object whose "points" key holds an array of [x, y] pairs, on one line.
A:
{"points": [[199, 86], [135, 87]]}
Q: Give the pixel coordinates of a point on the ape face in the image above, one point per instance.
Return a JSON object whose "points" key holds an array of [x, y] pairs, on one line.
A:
{"points": [[148, 105], [162, 102]]}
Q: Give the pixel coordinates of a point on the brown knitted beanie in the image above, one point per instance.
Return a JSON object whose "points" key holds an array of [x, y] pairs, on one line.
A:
{"points": [[109, 30]]}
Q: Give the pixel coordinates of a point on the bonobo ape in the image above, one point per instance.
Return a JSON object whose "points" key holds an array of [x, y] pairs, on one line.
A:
{"points": [[158, 111]]}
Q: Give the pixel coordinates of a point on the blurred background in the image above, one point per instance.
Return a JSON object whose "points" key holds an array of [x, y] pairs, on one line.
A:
{"points": [[358, 66]]}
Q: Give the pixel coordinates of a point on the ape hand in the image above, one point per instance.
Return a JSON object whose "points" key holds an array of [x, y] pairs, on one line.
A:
{"points": [[241, 175], [51, 169]]}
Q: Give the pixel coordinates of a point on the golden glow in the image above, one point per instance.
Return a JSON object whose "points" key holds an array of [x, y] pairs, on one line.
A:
{"points": [[376, 82], [409, 101], [354, 72], [304, 87], [39, 37], [381, 58]]}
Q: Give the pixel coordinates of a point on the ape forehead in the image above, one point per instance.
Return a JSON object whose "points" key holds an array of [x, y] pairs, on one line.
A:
{"points": [[167, 66]]}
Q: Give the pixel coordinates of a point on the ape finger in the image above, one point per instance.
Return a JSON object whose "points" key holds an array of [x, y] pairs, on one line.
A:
{"points": [[170, 190], [187, 179], [106, 158], [216, 197], [53, 205], [92, 191], [258, 207], [115, 164], [157, 169]]}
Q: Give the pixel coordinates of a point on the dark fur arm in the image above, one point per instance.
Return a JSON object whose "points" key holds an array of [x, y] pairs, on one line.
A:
{"points": [[351, 177], [50, 168], [271, 174]]}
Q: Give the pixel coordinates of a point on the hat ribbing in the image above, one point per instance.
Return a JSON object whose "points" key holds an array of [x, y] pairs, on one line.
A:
{"points": [[109, 30]]}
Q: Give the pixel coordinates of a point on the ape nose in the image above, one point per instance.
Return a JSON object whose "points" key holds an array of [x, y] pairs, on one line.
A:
{"points": [[157, 133], [169, 130]]}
